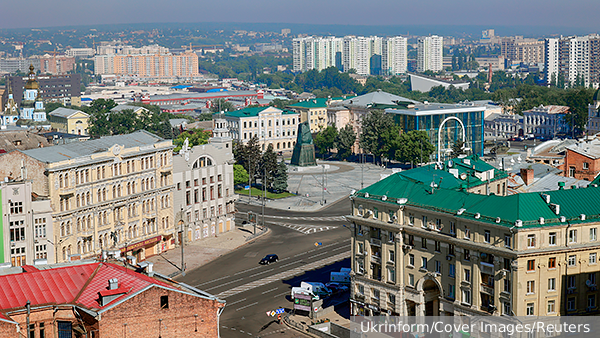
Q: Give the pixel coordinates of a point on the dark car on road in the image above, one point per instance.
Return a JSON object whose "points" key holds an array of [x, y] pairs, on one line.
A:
{"points": [[269, 259]]}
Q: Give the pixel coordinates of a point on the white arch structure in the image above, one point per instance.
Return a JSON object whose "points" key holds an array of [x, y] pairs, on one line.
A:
{"points": [[464, 134]]}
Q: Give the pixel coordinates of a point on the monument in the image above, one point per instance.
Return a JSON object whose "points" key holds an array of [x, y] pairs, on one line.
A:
{"points": [[304, 150]]}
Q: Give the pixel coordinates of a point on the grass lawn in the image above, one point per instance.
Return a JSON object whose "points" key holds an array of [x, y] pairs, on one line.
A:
{"points": [[258, 192]]}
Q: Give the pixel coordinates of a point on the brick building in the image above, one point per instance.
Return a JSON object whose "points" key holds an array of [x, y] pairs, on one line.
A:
{"points": [[102, 300], [582, 161]]}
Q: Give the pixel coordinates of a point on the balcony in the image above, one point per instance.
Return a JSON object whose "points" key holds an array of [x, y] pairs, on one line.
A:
{"points": [[485, 288], [487, 268], [376, 242], [376, 259]]}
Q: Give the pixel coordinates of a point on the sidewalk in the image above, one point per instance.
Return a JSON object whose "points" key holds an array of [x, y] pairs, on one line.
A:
{"points": [[198, 253]]}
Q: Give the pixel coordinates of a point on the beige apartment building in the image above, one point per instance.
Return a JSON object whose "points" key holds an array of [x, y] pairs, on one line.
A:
{"points": [[521, 49], [314, 112], [108, 195], [148, 65], [269, 124], [418, 249]]}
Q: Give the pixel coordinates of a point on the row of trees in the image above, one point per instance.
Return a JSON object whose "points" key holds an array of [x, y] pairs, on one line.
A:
{"points": [[103, 122], [260, 165], [380, 137]]}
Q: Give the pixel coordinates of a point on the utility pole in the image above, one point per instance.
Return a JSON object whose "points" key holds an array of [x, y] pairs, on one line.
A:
{"points": [[323, 186], [264, 196]]}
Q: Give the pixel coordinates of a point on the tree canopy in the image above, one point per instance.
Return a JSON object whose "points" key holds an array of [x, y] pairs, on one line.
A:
{"points": [[195, 137], [414, 147], [344, 141]]}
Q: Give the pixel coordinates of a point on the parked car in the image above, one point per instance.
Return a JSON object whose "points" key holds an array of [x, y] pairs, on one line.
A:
{"points": [[268, 259], [336, 287]]}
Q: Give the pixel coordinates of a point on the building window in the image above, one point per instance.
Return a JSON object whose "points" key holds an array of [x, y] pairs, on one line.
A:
{"points": [[586, 166], [466, 296], [424, 221], [531, 241], [411, 219], [467, 275], [392, 256], [551, 306], [507, 285], [571, 282], [572, 261], [467, 255], [451, 249], [572, 236], [411, 260], [164, 302], [65, 330], [438, 267], [411, 279], [530, 309], [571, 304], [467, 233], [593, 259], [391, 275], [437, 246], [452, 228], [507, 240], [552, 263], [530, 287], [591, 301], [593, 234], [551, 284], [571, 171], [423, 263], [424, 243], [486, 236], [552, 238], [592, 278], [451, 290], [360, 248], [16, 207], [531, 265], [452, 270], [506, 308]]}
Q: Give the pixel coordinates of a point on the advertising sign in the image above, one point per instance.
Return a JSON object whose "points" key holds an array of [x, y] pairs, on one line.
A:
{"points": [[302, 302]]}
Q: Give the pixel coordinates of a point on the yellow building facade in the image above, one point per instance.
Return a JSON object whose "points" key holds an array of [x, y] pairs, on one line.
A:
{"points": [[69, 121]]}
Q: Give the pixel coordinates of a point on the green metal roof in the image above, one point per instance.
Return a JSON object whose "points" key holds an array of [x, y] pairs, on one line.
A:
{"points": [[445, 179], [308, 104], [253, 111], [502, 210]]}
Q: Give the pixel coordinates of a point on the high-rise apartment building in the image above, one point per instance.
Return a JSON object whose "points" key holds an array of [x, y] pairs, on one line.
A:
{"points": [[156, 65], [517, 48], [430, 52], [366, 55], [573, 60]]}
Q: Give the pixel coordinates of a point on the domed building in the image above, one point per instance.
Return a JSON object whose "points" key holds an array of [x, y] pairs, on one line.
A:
{"points": [[32, 106], [10, 114]]}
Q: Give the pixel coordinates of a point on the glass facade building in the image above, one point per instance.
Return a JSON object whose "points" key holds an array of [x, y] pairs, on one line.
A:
{"points": [[428, 118]]}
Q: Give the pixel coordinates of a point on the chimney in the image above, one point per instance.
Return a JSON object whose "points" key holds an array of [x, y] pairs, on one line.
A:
{"points": [[113, 284], [527, 175]]}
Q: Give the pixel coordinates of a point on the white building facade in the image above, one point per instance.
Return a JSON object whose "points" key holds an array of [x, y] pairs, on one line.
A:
{"points": [[430, 53]]}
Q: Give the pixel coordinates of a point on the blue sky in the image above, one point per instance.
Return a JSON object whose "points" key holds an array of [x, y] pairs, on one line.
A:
{"points": [[557, 13]]}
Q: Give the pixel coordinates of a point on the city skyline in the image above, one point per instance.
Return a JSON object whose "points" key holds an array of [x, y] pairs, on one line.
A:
{"points": [[579, 13]]}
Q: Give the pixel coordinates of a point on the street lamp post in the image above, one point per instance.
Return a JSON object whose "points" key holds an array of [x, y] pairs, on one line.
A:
{"points": [[181, 227], [264, 196], [323, 186]]}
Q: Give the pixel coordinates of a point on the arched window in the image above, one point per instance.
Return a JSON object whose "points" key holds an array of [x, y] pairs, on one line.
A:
{"points": [[60, 181], [66, 179], [203, 161]]}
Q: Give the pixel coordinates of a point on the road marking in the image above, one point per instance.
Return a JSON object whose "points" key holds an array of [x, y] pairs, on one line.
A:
{"points": [[260, 273], [311, 250], [283, 275], [292, 263], [300, 254], [239, 301], [341, 247], [328, 245], [317, 255], [212, 281], [269, 291], [249, 305], [218, 286], [283, 259], [241, 272], [281, 294]]}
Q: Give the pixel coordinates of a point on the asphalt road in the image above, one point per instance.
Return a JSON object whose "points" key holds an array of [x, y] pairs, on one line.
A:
{"points": [[341, 207], [251, 289]]}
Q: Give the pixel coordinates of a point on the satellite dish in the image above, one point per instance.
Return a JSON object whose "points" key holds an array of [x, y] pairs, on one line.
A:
{"points": [[450, 164]]}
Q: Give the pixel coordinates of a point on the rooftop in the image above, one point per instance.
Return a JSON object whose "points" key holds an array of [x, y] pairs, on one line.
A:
{"points": [[78, 149], [254, 111], [377, 98], [65, 112], [531, 209]]}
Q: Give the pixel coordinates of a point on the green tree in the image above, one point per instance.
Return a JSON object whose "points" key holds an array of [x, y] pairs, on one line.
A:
{"points": [[52, 106], [280, 182], [578, 100], [268, 166], [457, 148], [374, 125], [248, 156], [219, 105], [325, 140], [344, 141], [240, 175], [195, 137], [415, 147]]}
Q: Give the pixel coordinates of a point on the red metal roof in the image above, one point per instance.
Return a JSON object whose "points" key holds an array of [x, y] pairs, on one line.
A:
{"points": [[62, 285]]}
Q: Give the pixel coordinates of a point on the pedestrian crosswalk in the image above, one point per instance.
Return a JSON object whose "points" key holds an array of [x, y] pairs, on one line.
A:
{"points": [[306, 229], [323, 218]]}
